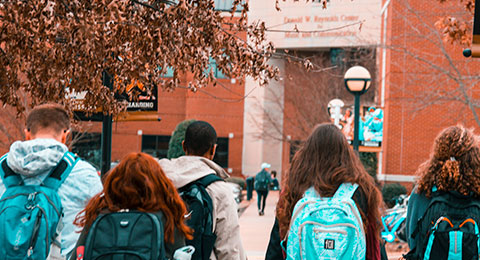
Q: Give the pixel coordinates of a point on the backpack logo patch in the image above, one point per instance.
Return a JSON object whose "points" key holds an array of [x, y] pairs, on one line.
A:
{"points": [[329, 244], [326, 227]]}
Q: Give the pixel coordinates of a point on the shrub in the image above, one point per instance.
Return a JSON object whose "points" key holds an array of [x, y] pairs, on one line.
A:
{"points": [[392, 190], [370, 162], [175, 148]]}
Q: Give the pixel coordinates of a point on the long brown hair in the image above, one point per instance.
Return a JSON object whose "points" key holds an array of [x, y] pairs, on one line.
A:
{"points": [[325, 161], [139, 183], [454, 164]]}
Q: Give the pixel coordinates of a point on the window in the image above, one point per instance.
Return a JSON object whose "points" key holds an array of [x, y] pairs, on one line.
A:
{"points": [[155, 145], [221, 155], [226, 5], [337, 57], [88, 146], [216, 71], [168, 73]]}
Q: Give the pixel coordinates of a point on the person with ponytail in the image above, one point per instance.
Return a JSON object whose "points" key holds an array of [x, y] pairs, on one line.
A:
{"points": [[138, 183], [453, 169]]}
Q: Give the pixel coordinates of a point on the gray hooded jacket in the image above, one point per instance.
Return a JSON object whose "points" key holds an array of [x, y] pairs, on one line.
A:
{"points": [[34, 159], [186, 169]]}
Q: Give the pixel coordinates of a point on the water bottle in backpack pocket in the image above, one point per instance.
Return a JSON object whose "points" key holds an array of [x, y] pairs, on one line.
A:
{"points": [[448, 229], [30, 214], [327, 228]]}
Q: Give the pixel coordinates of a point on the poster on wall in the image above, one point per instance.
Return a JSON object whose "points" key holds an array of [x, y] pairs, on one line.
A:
{"points": [[370, 124]]}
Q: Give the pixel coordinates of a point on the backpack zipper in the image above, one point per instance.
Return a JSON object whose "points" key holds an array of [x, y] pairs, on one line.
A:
{"points": [[33, 239], [455, 242], [319, 230], [37, 192]]}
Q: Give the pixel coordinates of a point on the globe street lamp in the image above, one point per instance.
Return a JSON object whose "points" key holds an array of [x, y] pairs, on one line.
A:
{"points": [[357, 81]]}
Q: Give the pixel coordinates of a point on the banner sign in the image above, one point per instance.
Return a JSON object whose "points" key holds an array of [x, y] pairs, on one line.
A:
{"points": [[371, 125]]}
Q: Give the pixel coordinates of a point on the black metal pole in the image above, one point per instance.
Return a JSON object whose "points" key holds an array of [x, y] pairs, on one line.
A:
{"points": [[106, 130], [356, 122]]}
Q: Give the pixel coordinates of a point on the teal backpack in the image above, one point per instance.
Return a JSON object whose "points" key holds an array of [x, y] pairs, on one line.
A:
{"points": [[262, 181], [326, 228], [30, 213]]}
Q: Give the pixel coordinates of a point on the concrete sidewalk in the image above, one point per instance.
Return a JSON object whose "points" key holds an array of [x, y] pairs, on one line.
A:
{"points": [[255, 229]]}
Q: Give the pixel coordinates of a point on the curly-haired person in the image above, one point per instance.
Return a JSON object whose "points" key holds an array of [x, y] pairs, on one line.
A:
{"points": [[453, 168]]}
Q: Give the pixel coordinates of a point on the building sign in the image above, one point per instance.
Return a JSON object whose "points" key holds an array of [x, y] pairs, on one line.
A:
{"points": [[140, 97], [302, 24], [142, 104]]}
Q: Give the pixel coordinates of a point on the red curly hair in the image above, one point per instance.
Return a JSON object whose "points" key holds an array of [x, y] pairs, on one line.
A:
{"points": [[454, 164], [138, 182]]}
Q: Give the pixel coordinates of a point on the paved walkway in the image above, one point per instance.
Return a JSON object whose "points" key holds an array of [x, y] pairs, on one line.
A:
{"points": [[255, 229]]}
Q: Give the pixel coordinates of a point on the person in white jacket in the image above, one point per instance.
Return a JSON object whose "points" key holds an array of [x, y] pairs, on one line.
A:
{"points": [[46, 133], [199, 146]]}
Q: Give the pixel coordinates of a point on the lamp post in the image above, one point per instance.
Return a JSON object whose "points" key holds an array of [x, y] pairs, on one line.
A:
{"points": [[335, 106], [357, 81]]}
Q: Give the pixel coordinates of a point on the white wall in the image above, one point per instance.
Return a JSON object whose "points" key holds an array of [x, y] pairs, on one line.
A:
{"points": [[262, 102]]}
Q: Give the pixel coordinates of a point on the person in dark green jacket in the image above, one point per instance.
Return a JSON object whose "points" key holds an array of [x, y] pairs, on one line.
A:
{"points": [[454, 166], [262, 185]]}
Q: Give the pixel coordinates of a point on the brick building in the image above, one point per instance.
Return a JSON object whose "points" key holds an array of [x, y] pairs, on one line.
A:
{"points": [[420, 81], [428, 82]]}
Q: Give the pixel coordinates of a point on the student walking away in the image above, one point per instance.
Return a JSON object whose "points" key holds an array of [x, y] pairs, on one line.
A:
{"points": [[262, 185], [42, 187], [274, 185], [210, 201], [443, 213], [328, 202], [139, 215]]}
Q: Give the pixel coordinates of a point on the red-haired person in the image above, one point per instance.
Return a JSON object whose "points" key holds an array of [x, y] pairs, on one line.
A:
{"points": [[138, 183]]}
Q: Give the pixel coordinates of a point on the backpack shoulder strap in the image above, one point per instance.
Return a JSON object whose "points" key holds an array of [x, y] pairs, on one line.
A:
{"points": [[345, 190], [58, 175], [161, 218], [208, 179], [9, 177]]}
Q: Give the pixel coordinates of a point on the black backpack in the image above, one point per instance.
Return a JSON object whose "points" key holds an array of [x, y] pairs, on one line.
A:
{"points": [[200, 208], [448, 229], [132, 235]]}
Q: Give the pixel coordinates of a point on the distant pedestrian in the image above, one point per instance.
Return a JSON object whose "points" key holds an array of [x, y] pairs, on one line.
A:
{"points": [[136, 186], [46, 184], [443, 213], [274, 185], [325, 187], [213, 216], [262, 185]]}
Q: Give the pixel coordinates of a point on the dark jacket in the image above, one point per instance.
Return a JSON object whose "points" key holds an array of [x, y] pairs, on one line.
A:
{"points": [[375, 249], [417, 205]]}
